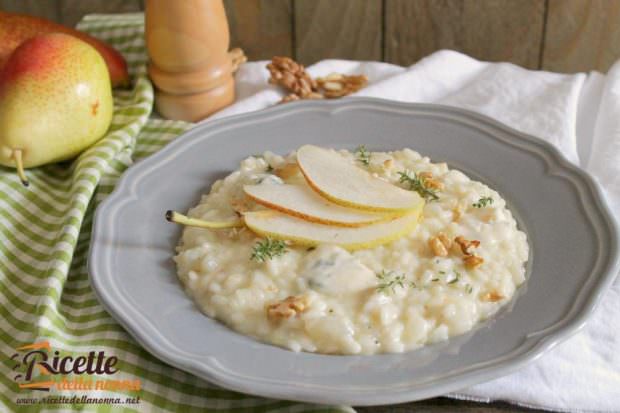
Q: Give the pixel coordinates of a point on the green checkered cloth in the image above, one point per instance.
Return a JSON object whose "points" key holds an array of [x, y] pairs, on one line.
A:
{"points": [[44, 289]]}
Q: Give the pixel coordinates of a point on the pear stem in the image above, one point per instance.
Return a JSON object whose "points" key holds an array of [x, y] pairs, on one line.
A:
{"points": [[177, 218], [19, 163]]}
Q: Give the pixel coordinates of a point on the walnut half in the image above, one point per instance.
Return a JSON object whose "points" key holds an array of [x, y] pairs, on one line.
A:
{"points": [[289, 307], [466, 244], [440, 245], [470, 259], [292, 76]]}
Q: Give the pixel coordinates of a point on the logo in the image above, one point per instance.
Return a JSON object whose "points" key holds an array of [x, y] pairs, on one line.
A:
{"points": [[39, 367]]}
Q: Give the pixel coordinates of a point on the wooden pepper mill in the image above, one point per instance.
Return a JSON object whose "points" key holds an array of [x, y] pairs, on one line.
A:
{"points": [[190, 65]]}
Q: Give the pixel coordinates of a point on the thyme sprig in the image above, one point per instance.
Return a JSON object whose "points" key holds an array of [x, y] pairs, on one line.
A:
{"points": [[417, 183], [389, 280], [267, 249], [482, 202], [363, 155]]}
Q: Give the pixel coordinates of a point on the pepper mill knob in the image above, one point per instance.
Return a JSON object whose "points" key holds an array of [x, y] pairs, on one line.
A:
{"points": [[189, 62]]}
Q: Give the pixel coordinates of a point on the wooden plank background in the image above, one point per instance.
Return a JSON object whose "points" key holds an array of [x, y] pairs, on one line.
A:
{"points": [[556, 35], [499, 30]]}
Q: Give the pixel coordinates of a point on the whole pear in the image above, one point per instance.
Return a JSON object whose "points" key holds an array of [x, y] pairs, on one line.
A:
{"points": [[17, 28], [55, 101]]}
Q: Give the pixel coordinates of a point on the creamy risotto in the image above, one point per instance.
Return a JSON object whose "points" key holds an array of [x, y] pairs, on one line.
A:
{"points": [[458, 266]]}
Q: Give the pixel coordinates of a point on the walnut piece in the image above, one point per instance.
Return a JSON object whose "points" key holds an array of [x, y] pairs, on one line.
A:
{"points": [[444, 240], [430, 181], [439, 250], [289, 307], [290, 98], [492, 296], [440, 245], [336, 85], [470, 260], [466, 245], [473, 261], [291, 75]]}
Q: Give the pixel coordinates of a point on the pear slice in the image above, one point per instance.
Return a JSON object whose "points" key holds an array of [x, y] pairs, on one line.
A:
{"points": [[304, 203], [334, 178], [280, 226]]}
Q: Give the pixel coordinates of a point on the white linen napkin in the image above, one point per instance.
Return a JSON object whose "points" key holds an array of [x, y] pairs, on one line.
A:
{"points": [[579, 114]]}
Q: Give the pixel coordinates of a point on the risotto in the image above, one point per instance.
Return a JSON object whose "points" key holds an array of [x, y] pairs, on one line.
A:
{"points": [[459, 265]]}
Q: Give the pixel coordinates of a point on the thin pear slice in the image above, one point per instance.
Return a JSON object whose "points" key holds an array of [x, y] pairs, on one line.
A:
{"points": [[343, 183], [280, 226], [304, 203], [177, 218]]}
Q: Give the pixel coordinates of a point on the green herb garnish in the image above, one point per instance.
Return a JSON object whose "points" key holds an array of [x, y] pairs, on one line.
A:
{"points": [[457, 275], [362, 155], [482, 202], [417, 183], [268, 249], [389, 280], [469, 288]]}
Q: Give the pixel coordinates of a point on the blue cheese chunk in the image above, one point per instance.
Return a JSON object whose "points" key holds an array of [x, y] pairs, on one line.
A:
{"points": [[334, 271]]}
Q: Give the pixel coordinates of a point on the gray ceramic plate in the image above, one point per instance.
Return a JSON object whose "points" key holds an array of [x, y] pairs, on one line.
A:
{"points": [[571, 231]]}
